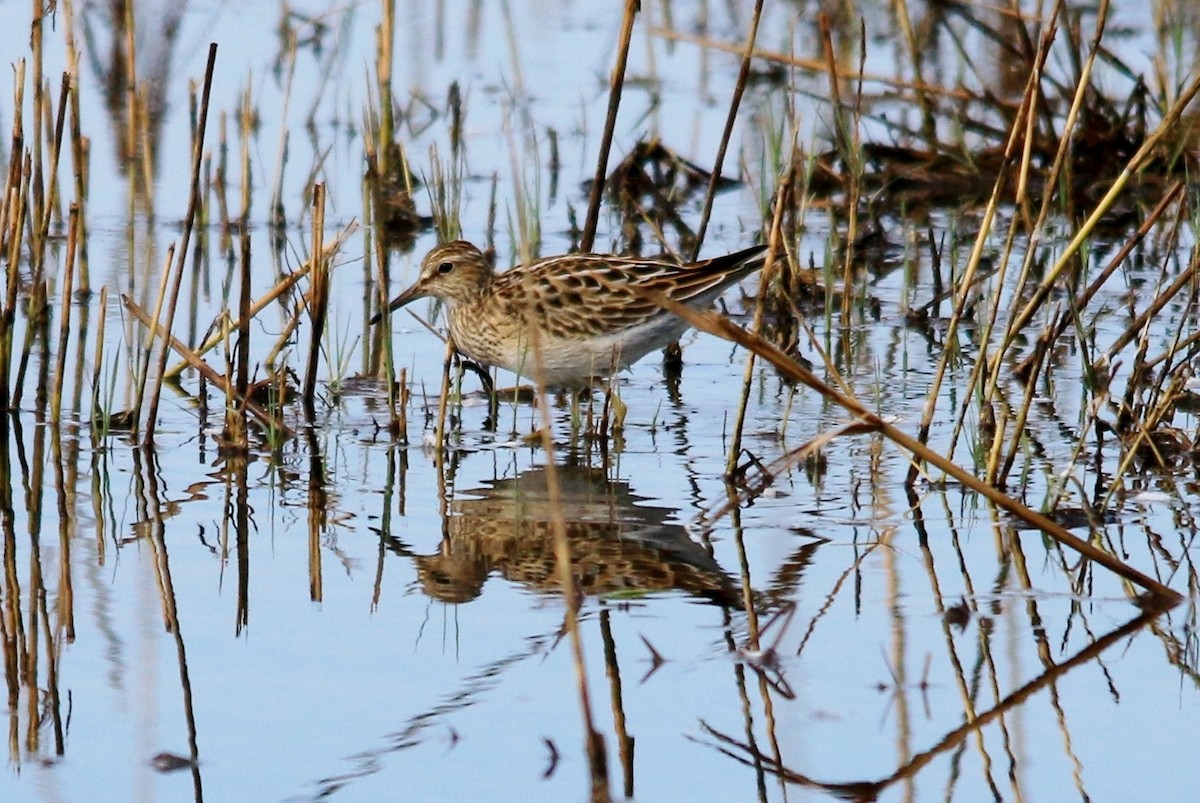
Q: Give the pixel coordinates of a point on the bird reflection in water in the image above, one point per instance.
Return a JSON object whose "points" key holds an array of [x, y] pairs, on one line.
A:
{"points": [[618, 548]]}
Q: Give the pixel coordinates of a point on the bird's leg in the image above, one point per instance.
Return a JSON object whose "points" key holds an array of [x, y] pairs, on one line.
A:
{"points": [[673, 361], [489, 387], [484, 377]]}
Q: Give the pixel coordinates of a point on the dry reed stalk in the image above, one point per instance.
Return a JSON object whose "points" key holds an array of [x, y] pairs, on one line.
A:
{"points": [[615, 86], [189, 222], [267, 419], [37, 198], [318, 306], [64, 317], [382, 333], [12, 397], [722, 327], [1051, 179], [79, 151], [735, 101]]}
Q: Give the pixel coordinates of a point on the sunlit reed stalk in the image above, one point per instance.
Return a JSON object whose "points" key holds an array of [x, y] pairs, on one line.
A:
{"points": [[189, 222], [850, 148], [995, 473], [615, 86], [1051, 333], [318, 303], [1159, 299], [739, 88], [64, 316]]}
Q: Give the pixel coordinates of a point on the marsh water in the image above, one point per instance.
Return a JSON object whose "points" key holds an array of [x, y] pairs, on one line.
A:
{"points": [[359, 614]]}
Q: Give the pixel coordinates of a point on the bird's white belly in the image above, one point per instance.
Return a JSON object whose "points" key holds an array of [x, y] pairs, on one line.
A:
{"points": [[567, 361]]}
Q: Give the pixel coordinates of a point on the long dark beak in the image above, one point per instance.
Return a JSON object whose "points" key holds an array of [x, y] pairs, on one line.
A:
{"points": [[411, 294]]}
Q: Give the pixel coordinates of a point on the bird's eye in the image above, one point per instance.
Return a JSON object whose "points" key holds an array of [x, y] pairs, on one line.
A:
{"points": [[445, 267]]}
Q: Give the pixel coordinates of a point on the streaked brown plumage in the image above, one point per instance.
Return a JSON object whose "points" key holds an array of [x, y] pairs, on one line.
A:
{"points": [[565, 320]]}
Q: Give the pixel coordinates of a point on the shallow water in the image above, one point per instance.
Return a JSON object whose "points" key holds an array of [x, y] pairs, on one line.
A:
{"points": [[364, 619]]}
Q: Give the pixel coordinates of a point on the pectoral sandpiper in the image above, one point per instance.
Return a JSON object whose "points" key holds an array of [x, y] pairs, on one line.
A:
{"points": [[566, 320]]}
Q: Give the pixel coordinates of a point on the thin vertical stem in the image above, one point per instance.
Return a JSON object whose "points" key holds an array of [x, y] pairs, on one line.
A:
{"points": [[610, 124]]}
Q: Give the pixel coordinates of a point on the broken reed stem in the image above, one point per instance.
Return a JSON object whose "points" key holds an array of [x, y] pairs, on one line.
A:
{"points": [[64, 316], [616, 84], [189, 222], [318, 306], [739, 88], [269, 298], [269, 420], [724, 328]]}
